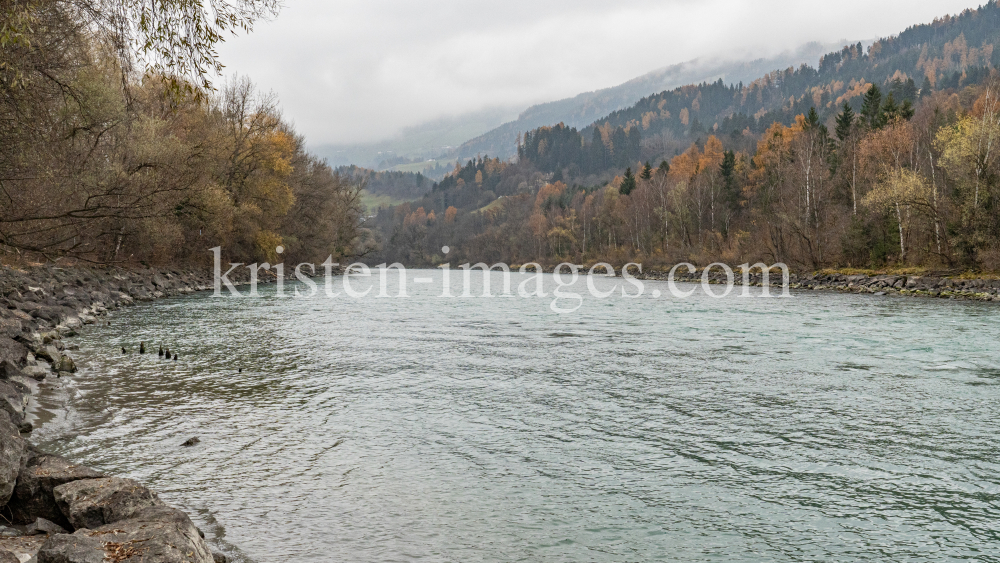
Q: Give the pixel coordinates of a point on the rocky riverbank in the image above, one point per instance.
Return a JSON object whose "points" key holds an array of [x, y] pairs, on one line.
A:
{"points": [[55, 511], [946, 287]]}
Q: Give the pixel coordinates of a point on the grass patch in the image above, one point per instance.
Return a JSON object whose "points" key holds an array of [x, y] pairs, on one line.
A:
{"points": [[913, 271], [373, 202], [414, 167], [888, 271], [492, 205]]}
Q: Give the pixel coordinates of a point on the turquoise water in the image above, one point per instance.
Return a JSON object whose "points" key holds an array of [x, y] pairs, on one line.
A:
{"points": [[825, 427]]}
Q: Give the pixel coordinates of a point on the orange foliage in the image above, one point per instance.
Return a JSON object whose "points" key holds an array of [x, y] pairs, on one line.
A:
{"points": [[684, 166], [712, 156], [549, 191]]}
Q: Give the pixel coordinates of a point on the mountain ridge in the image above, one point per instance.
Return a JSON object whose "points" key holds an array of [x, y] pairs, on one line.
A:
{"points": [[592, 106], [441, 140]]}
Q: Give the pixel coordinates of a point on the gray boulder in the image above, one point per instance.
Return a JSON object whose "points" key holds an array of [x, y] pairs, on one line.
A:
{"points": [[8, 557], [52, 313], [41, 526], [36, 372], [49, 353], [9, 369], [66, 364], [33, 495], [66, 548], [92, 503], [11, 450], [13, 400], [9, 326], [159, 533], [12, 350]]}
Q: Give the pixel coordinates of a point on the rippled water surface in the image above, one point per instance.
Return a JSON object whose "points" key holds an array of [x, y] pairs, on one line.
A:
{"points": [[822, 427]]}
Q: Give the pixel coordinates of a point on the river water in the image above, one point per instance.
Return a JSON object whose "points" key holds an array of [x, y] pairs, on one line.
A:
{"points": [[824, 426]]}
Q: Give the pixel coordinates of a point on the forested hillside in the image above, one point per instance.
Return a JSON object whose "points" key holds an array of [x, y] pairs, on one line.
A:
{"points": [[115, 148], [878, 157], [948, 54], [583, 109], [397, 185]]}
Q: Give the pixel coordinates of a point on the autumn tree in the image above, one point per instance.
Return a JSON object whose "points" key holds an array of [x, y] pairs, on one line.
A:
{"points": [[969, 155]]}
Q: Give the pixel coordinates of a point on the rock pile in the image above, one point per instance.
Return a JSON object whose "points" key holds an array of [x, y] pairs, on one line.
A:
{"points": [[55, 511], [928, 286]]}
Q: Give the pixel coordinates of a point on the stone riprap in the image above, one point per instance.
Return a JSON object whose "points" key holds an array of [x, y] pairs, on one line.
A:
{"points": [[55, 510]]}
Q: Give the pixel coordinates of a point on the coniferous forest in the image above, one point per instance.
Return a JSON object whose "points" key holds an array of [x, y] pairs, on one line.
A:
{"points": [[882, 156]]}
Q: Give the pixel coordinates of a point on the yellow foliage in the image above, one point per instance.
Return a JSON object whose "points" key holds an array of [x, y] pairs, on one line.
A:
{"points": [[267, 244], [969, 148], [903, 187]]}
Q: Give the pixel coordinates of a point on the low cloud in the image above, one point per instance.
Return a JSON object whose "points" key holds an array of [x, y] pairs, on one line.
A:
{"points": [[361, 71]]}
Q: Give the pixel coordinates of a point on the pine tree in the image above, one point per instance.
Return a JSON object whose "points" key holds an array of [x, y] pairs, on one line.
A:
{"points": [[628, 182], [727, 169], [845, 121], [909, 90], [890, 111], [812, 119], [906, 111], [926, 89], [871, 108], [619, 148], [647, 171], [634, 140], [664, 167], [598, 153], [696, 128]]}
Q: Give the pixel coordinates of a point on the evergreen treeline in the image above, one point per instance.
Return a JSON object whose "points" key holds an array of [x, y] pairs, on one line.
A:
{"points": [[105, 162], [553, 149]]}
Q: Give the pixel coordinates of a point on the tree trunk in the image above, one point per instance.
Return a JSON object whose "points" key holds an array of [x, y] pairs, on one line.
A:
{"points": [[854, 179], [934, 192], [902, 241]]}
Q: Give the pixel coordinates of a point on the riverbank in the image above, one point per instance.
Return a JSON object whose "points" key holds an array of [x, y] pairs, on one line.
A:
{"points": [[54, 510], [940, 286]]}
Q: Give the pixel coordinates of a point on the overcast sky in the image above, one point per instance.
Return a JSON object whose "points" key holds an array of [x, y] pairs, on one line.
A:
{"points": [[351, 71]]}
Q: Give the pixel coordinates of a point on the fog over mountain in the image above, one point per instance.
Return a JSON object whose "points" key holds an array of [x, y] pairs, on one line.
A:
{"points": [[494, 131], [356, 72]]}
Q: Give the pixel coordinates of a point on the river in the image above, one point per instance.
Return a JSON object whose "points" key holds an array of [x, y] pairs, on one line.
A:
{"points": [[824, 426]]}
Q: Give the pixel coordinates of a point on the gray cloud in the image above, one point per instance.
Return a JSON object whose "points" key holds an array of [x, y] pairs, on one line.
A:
{"points": [[359, 71]]}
